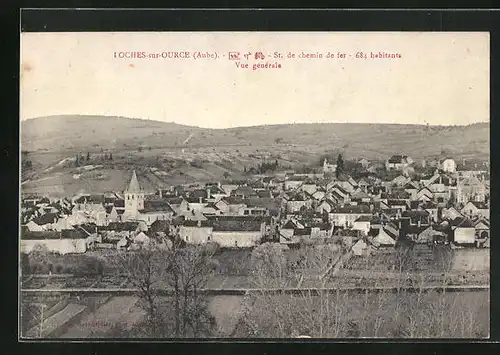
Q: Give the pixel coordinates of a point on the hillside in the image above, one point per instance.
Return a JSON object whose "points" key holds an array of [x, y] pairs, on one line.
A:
{"points": [[83, 133], [189, 154]]}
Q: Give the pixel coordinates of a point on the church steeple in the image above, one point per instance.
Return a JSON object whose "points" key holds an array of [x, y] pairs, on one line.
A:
{"points": [[133, 186], [134, 198]]}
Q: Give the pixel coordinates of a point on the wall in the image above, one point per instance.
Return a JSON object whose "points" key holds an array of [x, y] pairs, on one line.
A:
{"points": [[244, 239], [464, 235], [195, 235], [150, 218], [471, 260], [63, 246]]}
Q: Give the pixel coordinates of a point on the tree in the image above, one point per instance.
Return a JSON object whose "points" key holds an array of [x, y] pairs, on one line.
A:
{"points": [[110, 156], [187, 272], [88, 156], [184, 271], [226, 174], [340, 165], [143, 269], [77, 160]]}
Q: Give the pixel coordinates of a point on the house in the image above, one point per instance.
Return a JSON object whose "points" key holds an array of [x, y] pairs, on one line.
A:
{"points": [[412, 187], [482, 227], [400, 181], [346, 215], [430, 235], [329, 168], [244, 192], [63, 242], [463, 231], [425, 194], [129, 226], [298, 202], [398, 162], [95, 212], [319, 194], [32, 226], [362, 224], [189, 204], [141, 239], [269, 206], [360, 196], [196, 232], [155, 210], [418, 218], [338, 194], [470, 189], [361, 248], [326, 205], [448, 165], [238, 232], [383, 237], [287, 232], [476, 209], [451, 213], [231, 205], [364, 163]]}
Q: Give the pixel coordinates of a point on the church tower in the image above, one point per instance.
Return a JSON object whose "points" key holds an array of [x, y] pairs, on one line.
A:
{"points": [[134, 198]]}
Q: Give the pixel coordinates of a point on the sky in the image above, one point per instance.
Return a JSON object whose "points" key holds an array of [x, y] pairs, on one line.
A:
{"points": [[442, 78]]}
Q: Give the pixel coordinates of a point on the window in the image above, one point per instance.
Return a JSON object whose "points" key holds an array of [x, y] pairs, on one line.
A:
{"points": [[235, 243], [208, 238], [246, 212], [187, 238]]}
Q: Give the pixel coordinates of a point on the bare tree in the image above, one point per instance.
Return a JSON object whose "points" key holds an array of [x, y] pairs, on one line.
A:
{"points": [[143, 269]]}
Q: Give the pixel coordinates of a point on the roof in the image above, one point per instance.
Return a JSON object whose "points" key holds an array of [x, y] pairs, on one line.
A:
{"points": [[27, 235], [272, 204], [119, 203], [479, 205], [248, 225], [363, 219], [353, 209], [198, 193], [264, 193], [244, 190], [159, 225], [46, 219], [194, 199], [133, 186], [232, 200], [302, 231], [462, 223], [173, 200], [397, 159], [156, 206], [204, 224], [74, 234], [121, 226]]}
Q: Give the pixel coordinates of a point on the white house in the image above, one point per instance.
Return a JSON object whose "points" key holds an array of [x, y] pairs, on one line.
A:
{"points": [[449, 165]]}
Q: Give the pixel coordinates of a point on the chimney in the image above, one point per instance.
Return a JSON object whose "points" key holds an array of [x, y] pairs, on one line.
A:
{"points": [[208, 192], [201, 199], [199, 224], [160, 193]]}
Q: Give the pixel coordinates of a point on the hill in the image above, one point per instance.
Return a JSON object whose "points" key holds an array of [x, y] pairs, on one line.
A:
{"points": [[83, 133], [169, 153]]}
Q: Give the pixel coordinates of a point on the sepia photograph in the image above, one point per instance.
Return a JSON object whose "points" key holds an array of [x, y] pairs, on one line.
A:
{"points": [[254, 185]]}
